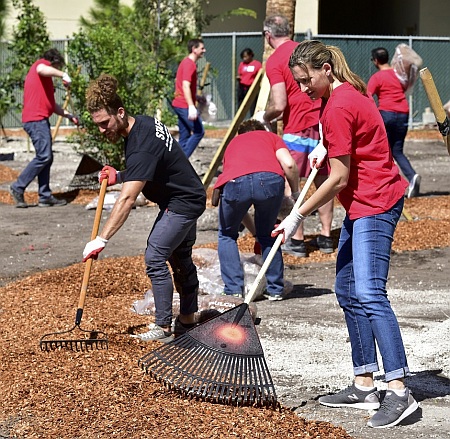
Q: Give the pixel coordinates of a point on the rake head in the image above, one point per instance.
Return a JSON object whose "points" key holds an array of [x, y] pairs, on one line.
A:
{"points": [[218, 361], [87, 340]]}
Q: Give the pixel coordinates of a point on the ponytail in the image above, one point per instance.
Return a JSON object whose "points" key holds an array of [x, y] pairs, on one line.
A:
{"points": [[316, 54]]}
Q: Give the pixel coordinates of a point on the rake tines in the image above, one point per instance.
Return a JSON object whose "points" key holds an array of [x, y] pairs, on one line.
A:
{"points": [[217, 362], [87, 341]]}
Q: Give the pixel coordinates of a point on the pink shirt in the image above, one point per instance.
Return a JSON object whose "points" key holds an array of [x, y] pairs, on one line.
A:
{"points": [[390, 92], [300, 112], [38, 95], [251, 152], [247, 72], [187, 71], [352, 125]]}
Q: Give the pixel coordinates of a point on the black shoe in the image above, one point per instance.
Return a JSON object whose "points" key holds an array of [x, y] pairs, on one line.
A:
{"points": [[181, 328], [297, 248], [323, 243], [18, 198], [52, 201]]}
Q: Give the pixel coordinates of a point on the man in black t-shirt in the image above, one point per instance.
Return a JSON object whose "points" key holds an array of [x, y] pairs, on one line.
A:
{"points": [[157, 167]]}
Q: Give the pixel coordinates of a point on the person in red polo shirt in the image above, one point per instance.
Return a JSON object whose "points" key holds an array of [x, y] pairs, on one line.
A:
{"points": [[38, 105], [246, 74], [190, 124], [394, 110], [368, 184]]}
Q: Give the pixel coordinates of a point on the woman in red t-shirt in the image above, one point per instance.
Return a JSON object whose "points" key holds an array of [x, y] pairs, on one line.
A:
{"points": [[367, 182], [246, 74]]}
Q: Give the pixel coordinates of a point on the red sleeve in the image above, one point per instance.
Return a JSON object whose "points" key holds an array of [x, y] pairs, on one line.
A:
{"points": [[338, 133]]}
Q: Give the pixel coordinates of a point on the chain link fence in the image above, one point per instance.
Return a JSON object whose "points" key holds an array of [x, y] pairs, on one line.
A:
{"points": [[223, 50]]}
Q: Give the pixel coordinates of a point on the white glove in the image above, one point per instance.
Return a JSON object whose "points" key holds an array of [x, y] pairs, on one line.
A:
{"points": [[192, 112], [259, 116], [317, 156], [93, 248], [288, 226], [66, 79]]}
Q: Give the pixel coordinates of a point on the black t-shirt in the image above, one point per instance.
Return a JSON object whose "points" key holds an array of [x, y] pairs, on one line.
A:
{"points": [[154, 156]]}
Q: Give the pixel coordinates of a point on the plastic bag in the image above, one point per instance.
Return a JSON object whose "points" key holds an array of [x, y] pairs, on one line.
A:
{"points": [[406, 64], [111, 198], [209, 305], [210, 280], [207, 108]]}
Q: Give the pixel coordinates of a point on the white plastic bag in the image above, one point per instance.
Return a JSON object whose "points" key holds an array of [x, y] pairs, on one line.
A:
{"points": [[406, 64]]}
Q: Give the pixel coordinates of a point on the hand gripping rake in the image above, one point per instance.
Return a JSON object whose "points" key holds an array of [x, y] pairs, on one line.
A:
{"points": [[221, 360], [87, 339]]}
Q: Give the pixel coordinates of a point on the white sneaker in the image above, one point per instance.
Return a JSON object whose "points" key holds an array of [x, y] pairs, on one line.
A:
{"points": [[155, 333]]}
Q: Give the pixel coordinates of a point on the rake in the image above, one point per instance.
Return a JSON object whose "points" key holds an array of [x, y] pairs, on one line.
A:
{"points": [[221, 360], [86, 339]]}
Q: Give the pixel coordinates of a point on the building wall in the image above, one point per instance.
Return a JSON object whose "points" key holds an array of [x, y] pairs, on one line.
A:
{"points": [[363, 17], [62, 16]]}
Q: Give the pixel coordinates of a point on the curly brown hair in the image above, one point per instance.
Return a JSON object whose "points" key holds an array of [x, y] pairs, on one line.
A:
{"points": [[250, 125], [102, 95]]}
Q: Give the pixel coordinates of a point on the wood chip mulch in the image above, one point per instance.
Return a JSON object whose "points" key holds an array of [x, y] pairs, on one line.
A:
{"points": [[103, 393]]}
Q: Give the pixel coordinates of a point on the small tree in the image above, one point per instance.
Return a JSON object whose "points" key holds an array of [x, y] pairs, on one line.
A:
{"points": [[109, 49]]}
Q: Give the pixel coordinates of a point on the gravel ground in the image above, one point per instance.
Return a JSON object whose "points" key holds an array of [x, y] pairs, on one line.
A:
{"points": [[304, 337]]}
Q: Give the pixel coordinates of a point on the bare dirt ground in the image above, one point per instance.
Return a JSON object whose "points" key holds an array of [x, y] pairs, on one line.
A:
{"points": [[304, 337]]}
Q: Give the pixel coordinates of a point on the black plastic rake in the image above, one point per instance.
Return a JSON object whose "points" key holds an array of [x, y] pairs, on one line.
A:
{"points": [[221, 360], [85, 339]]}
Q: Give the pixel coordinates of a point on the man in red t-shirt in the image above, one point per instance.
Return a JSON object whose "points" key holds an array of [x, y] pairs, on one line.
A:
{"points": [[301, 124], [38, 105], [190, 124], [394, 110]]}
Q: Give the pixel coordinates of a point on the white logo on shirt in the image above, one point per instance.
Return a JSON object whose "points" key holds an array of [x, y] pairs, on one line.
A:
{"points": [[163, 133]]}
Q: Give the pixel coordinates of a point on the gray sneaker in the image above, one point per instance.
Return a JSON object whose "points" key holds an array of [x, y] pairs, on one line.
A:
{"points": [[273, 297], [354, 398], [155, 333], [393, 409], [18, 198], [298, 250]]}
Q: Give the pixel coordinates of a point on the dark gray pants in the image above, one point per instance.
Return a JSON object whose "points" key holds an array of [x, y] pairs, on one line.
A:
{"points": [[171, 239]]}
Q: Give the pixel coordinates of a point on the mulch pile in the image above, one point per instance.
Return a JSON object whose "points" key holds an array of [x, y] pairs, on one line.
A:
{"points": [[103, 393]]}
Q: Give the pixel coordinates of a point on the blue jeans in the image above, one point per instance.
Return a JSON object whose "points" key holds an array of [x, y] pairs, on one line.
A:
{"points": [[265, 191], [39, 167], [171, 239], [190, 131], [361, 274], [396, 128]]}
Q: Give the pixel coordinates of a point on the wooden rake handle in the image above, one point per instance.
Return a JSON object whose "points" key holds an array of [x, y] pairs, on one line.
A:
{"points": [[262, 272], [436, 105], [87, 268]]}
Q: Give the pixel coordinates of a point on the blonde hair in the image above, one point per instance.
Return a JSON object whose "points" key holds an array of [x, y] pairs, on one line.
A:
{"points": [[102, 95], [316, 54]]}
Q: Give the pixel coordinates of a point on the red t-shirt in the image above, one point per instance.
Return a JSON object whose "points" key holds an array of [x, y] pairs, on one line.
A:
{"points": [[352, 125], [300, 112], [251, 152], [390, 92], [247, 72], [187, 71], [38, 95]]}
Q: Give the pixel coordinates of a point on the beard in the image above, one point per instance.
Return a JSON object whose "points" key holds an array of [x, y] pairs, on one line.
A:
{"points": [[119, 131], [113, 137]]}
